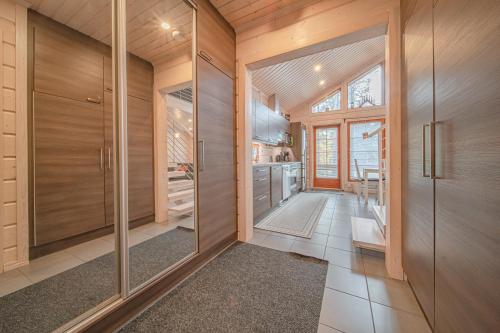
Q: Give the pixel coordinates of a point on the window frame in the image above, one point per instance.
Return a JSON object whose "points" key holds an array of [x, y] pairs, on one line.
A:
{"points": [[357, 77], [349, 123], [332, 93]]}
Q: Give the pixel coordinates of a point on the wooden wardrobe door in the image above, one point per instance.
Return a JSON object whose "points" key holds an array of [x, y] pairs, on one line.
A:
{"points": [[216, 38], [140, 159], [467, 104], [66, 62], [418, 227], [216, 176], [69, 174]]}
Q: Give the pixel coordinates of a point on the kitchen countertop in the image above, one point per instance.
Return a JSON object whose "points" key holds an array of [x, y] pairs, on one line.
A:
{"points": [[260, 164]]}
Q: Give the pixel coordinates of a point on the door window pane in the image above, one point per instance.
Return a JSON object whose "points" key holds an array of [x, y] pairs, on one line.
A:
{"points": [[363, 151], [327, 153]]}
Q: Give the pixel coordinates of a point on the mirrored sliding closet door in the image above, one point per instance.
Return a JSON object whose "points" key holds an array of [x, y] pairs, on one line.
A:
{"points": [[65, 264], [162, 232]]}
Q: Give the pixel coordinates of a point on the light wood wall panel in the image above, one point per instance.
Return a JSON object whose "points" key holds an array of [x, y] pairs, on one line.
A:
{"points": [[11, 83]]}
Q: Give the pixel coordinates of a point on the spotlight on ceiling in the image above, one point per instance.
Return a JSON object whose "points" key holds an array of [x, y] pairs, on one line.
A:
{"points": [[322, 82], [317, 68], [165, 26]]}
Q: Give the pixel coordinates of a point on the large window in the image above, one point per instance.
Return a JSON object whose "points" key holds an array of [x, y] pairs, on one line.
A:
{"points": [[366, 90], [330, 103], [363, 150]]}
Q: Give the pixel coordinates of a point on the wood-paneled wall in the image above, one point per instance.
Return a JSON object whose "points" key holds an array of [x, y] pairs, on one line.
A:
{"points": [[13, 243]]}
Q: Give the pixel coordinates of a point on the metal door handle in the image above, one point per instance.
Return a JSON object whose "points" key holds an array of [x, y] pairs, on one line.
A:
{"points": [[94, 100], [424, 158], [109, 158], [262, 197], [201, 148], [261, 179], [101, 158]]}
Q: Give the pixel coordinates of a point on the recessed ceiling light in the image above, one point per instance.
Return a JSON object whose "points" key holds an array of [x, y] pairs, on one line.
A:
{"points": [[177, 135], [322, 82], [317, 68], [165, 25], [190, 120]]}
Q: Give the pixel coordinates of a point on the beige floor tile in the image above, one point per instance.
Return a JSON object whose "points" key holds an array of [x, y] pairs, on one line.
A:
{"points": [[308, 249], [316, 238], [345, 312], [277, 243], [347, 281], [322, 229], [258, 237], [374, 266], [325, 221], [12, 281], [389, 320], [155, 229], [50, 265], [92, 249], [344, 259], [341, 243], [394, 293], [325, 329], [341, 230], [135, 237], [279, 234]]}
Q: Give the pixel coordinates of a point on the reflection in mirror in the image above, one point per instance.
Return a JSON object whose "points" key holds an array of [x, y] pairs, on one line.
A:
{"points": [[159, 69], [64, 264]]}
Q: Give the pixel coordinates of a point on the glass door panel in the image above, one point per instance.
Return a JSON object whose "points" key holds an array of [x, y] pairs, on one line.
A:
{"points": [[161, 206], [64, 265], [327, 157]]}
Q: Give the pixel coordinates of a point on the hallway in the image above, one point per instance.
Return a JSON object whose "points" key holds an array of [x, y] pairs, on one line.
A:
{"points": [[359, 296]]}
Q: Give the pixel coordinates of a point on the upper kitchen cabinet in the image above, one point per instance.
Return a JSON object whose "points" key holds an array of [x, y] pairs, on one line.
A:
{"points": [[268, 126], [216, 39], [261, 122], [66, 64]]}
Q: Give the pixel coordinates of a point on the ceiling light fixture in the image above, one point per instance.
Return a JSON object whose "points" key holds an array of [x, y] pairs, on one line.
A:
{"points": [[165, 26], [317, 68], [322, 82]]}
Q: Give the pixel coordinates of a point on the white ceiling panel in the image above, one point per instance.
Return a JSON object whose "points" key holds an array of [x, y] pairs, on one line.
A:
{"points": [[296, 81]]}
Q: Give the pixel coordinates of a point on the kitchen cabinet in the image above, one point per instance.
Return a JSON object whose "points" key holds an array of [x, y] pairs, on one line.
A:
{"points": [[261, 191], [261, 122], [268, 126], [276, 185]]}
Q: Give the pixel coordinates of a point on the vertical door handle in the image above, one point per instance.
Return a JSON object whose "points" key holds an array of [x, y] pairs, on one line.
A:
{"points": [[109, 158], [101, 158], [201, 152], [424, 151], [433, 150]]}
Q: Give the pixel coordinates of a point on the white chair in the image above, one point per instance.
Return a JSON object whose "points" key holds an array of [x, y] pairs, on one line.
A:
{"points": [[365, 185]]}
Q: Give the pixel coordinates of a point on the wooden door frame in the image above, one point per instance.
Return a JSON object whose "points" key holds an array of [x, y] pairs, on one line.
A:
{"points": [[323, 182]]}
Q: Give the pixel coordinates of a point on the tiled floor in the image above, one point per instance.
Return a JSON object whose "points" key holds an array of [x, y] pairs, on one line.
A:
{"points": [[58, 262], [359, 296]]}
